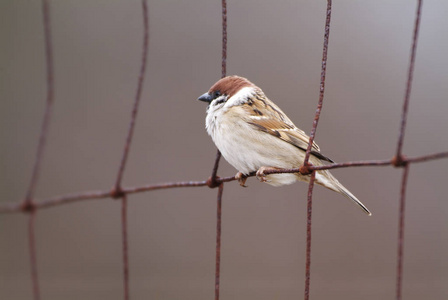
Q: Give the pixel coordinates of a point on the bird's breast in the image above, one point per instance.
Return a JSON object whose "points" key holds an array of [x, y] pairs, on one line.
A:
{"points": [[246, 148]]}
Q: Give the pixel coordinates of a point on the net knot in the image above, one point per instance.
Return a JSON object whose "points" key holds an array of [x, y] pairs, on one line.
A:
{"points": [[213, 182], [399, 161], [117, 193], [28, 206], [306, 169]]}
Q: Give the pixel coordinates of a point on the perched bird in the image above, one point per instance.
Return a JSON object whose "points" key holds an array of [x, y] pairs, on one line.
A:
{"points": [[254, 134]]}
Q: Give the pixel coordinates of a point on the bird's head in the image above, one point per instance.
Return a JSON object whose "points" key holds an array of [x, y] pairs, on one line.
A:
{"points": [[229, 91]]}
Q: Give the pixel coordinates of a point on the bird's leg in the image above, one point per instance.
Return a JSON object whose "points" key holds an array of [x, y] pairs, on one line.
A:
{"points": [[241, 179], [261, 175]]}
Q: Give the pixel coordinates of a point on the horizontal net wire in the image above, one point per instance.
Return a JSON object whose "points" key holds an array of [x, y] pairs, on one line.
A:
{"points": [[30, 206]]}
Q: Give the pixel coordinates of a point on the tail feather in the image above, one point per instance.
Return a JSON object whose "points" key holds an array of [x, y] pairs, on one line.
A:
{"points": [[346, 193], [327, 180]]}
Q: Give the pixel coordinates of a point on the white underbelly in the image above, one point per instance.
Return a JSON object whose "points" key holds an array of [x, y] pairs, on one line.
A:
{"points": [[247, 151]]}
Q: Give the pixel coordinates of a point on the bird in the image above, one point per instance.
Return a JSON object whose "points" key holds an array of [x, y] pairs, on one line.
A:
{"points": [[254, 134]]}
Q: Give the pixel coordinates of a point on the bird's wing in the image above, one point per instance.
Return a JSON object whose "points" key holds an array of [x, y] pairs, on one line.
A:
{"points": [[265, 116]]}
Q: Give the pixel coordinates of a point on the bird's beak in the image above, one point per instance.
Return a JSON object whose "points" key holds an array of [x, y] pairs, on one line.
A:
{"points": [[206, 98]]}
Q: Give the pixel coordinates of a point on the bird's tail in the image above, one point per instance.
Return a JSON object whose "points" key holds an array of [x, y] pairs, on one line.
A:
{"points": [[327, 180]]}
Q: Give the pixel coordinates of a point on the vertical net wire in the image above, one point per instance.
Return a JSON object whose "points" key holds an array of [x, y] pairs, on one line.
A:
{"points": [[322, 83], [309, 209], [33, 255], [218, 241], [399, 161], [28, 203], [48, 106], [137, 97], [213, 178], [407, 95], [125, 247], [30, 206], [117, 191], [304, 168], [401, 214]]}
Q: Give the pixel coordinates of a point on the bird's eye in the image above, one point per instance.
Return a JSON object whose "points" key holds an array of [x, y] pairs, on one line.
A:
{"points": [[216, 94]]}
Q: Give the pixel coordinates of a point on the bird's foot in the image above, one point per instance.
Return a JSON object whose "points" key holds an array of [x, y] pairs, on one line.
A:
{"points": [[241, 179], [261, 173]]}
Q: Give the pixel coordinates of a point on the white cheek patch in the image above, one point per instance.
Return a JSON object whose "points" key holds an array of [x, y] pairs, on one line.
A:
{"points": [[241, 96]]}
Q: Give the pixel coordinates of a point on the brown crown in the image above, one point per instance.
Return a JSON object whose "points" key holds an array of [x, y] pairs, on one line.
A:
{"points": [[230, 85]]}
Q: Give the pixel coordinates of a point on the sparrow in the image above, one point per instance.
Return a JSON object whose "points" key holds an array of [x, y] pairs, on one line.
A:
{"points": [[254, 134]]}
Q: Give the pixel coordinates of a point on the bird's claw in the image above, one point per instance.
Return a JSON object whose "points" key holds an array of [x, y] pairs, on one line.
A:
{"points": [[241, 179], [260, 174]]}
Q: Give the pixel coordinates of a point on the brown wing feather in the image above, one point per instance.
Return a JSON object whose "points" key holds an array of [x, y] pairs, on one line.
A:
{"points": [[267, 117]]}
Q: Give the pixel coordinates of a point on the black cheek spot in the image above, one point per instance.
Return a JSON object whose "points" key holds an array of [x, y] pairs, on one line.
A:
{"points": [[220, 101]]}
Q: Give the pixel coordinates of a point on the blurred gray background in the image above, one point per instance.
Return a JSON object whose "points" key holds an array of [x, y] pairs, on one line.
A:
{"points": [[278, 46]]}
